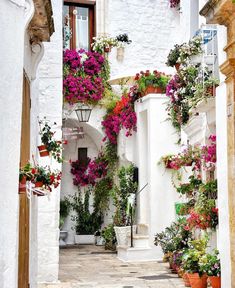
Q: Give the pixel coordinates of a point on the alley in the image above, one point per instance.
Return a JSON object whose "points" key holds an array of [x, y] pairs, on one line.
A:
{"points": [[93, 267]]}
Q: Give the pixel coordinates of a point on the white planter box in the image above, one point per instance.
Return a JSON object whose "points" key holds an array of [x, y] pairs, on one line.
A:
{"points": [[122, 234], [84, 239]]}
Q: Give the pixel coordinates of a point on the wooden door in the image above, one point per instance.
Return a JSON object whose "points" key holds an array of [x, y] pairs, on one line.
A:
{"points": [[23, 260]]}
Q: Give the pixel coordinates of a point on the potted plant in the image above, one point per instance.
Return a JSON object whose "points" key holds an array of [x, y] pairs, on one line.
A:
{"points": [[50, 145], [25, 174], [121, 195], [109, 236], [99, 240], [104, 44], [122, 40], [173, 57], [210, 264], [191, 263], [64, 212], [86, 222], [154, 82]]}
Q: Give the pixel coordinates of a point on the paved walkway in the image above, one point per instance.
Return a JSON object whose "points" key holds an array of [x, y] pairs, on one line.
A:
{"points": [[93, 267]]}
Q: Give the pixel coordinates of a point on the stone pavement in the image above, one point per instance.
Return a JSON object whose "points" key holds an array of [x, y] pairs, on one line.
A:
{"points": [[90, 266]]}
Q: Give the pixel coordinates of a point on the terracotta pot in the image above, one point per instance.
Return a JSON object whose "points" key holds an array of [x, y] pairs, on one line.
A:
{"points": [[107, 49], [43, 151], [177, 66], [153, 90], [186, 280], [215, 281], [38, 184], [196, 281], [22, 185], [211, 91]]}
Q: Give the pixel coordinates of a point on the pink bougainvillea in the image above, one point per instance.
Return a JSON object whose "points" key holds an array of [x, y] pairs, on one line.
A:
{"points": [[122, 116], [89, 174], [82, 76]]}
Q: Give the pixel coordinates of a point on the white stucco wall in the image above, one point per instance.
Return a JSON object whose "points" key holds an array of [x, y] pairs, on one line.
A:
{"points": [[221, 122], [155, 138], [12, 36], [47, 102], [153, 28]]}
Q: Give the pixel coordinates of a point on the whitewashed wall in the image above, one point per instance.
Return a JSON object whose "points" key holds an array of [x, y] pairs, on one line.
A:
{"points": [[221, 131], [12, 36], [153, 28], [47, 101]]}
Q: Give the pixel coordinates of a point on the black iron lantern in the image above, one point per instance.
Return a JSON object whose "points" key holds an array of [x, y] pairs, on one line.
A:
{"points": [[83, 112]]}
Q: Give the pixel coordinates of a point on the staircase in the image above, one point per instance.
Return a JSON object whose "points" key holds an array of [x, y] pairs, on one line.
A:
{"points": [[141, 251]]}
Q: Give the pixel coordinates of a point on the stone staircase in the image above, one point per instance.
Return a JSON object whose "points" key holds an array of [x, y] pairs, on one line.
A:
{"points": [[141, 250]]}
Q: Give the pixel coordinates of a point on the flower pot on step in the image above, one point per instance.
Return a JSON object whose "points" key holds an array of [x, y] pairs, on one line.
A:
{"points": [[196, 281], [186, 280], [22, 185], [43, 151], [215, 281]]}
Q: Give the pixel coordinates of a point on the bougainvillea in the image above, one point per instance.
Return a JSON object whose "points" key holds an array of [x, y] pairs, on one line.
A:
{"points": [[82, 76], [122, 116], [90, 173], [203, 221], [209, 154]]}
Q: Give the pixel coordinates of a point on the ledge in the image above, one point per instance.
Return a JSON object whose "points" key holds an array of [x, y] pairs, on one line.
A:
{"points": [[41, 26], [218, 11]]}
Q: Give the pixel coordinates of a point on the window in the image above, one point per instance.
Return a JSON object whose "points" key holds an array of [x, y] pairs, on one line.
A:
{"points": [[79, 16], [82, 156]]}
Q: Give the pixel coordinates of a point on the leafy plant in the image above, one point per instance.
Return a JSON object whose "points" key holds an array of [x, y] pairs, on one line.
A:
{"points": [[64, 210], [102, 42], [47, 137], [209, 189], [210, 264], [120, 193], [109, 236], [86, 222], [155, 79], [174, 238], [173, 56], [123, 39], [192, 256]]}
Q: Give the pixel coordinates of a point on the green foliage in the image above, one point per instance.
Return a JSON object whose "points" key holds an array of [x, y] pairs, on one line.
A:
{"points": [[108, 234], [174, 237], [210, 264], [192, 256], [101, 195], [209, 189], [189, 188], [173, 56], [64, 210], [126, 186], [47, 137], [85, 222]]}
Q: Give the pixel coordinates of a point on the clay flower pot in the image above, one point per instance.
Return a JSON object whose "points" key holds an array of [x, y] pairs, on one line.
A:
{"points": [[153, 90], [22, 185], [215, 281], [38, 184], [186, 280], [196, 281], [107, 49], [43, 151], [177, 66]]}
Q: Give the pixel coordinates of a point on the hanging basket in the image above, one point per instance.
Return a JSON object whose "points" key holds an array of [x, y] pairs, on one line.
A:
{"points": [[107, 49], [22, 185], [177, 66], [43, 151]]}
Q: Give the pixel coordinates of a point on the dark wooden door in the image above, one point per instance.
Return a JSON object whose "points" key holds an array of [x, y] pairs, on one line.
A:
{"points": [[23, 260]]}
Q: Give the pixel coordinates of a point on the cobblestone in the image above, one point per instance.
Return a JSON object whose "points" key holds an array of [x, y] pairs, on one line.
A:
{"points": [[93, 267]]}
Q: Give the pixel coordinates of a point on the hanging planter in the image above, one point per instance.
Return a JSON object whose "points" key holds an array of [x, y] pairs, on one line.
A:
{"points": [[120, 53], [43, 151], [22, 185], [107, 49], [177, 66]]}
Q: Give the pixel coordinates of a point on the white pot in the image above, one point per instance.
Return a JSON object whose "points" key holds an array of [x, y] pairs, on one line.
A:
{"points": [[122, 234], [99, 241], [84, 239], [63, 236]]}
